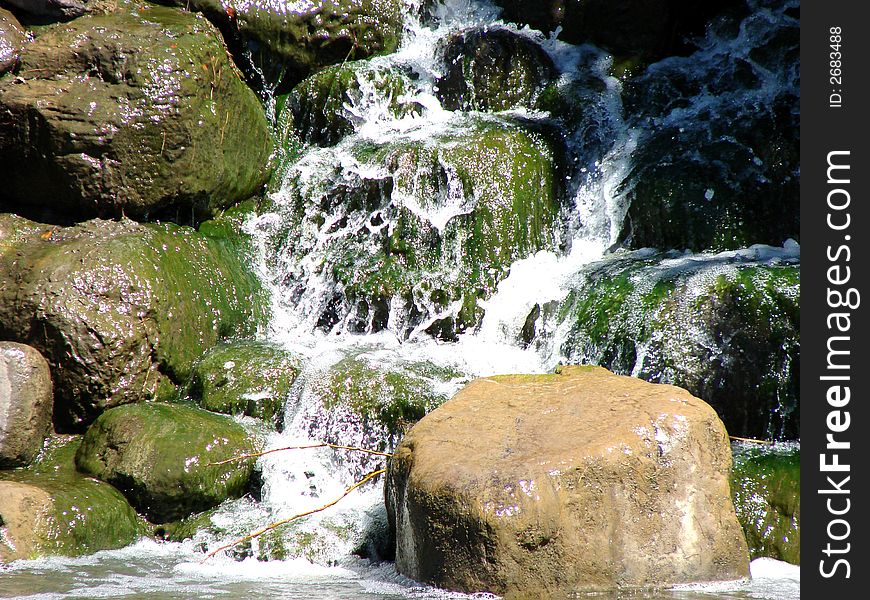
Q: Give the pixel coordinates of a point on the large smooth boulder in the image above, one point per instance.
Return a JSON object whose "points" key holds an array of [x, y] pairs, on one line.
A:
{"points": [[163, 457], [724, 326], [245, 377], [767, 496], [413, 232], [493, 68], [552, 485], [49, 509], [290, 40], [135, 113], [120, 310], [12, 39], [25, 404]]}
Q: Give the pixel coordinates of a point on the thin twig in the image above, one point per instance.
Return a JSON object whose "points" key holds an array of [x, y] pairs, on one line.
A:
{"points": [[317, 445], [750, 440], [260, 532]]}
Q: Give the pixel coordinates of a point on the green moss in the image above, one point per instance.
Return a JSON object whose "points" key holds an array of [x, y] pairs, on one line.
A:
{"points": [[765, 484], [164, 457], [85, 515], [244, 377]]}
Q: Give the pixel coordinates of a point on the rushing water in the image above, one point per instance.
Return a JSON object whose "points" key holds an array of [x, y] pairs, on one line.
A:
{"points": [[298, 481]]}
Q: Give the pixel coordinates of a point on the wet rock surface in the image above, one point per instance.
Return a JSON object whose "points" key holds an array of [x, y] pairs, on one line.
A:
{"points": [[136, 112], [565, 483], [12, 40], [767, 496], [287, 40], [49, 509], [493, 69], [25, 404], [120, 310], [246, 377], [727, 330], [162, 457]]}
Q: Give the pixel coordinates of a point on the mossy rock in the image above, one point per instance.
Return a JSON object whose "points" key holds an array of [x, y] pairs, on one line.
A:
{"points": [[163, 457], [727, 330], [12, 40], [134, 112], [420, 230], [766, 484], [325, 106], [493, 69], [50, 509], [363, 402], [121, 310], [290, 40], [717, 162], [245, 377]]}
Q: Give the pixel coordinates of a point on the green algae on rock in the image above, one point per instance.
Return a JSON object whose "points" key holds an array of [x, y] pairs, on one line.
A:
{"points": [[244, 377], [419, 230], [291, 40], [121, 310], [766, 483], [324, 104], [163, 457], [136, 113], [50, 509], [728, 332], [493, 69]]}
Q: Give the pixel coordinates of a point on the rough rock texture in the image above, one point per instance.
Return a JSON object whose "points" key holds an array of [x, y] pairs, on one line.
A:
{"points": [[161, 456], [652, 28], [51, 10], [251, 378], [136, 113], [363, 401], [717, 164], [767, 496], [25, 404], [723, 327], [326, 105], [50, 509], [11, 40], [494, 69], [543, 485], [120, 310], [290, 40]]}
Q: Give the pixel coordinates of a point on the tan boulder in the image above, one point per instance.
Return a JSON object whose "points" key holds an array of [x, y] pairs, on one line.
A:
{"points": [[548, 485], [26, 403]]}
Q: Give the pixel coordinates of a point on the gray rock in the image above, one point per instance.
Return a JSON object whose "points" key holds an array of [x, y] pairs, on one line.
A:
{"points": [[25, 403]]}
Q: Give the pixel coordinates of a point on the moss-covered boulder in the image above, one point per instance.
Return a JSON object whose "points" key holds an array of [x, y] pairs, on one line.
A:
{"points": [[412, 233], [50, 509], [120, 310], [42, 11], [12, 39], [717, 163], [289, 40], [493, 68], [327, 105], [360, 400], [766, 483], [163, 457], [725, 328], [25, 404], [135, 112], [247, 377]]}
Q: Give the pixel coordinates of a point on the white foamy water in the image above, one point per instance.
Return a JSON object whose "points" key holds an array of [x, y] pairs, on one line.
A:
{"points": [[297, 481]]}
